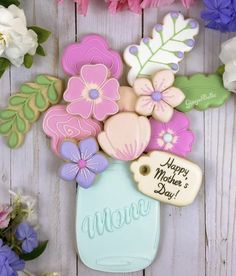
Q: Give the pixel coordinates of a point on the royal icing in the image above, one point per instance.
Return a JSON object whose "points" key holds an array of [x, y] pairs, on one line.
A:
{"points": [[164, 50], [125, 136], [167, 178], [127, 99], [201, 91], [93, 49], [84, 161], [174, 136], [59, 125], [157, 97], [25, 107], [92, 93]]}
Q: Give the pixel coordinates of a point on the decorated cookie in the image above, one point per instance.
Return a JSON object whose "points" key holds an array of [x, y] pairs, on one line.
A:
{"points": [[25, 107], [83, 162], [93, 49], [164, 50], [114, 216], [125, 136], [174, 136], [158, 97], [59, 125], [167, 178], [201, 91], [93, 93], [127, 99]]}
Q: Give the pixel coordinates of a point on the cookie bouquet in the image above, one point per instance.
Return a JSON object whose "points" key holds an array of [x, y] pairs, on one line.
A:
{"points": [[124, 146]]}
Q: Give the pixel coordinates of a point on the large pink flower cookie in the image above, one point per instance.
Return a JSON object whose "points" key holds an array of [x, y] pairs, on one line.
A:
{"points": [[158, 98], [174, 136], [59, 125], [93, 93], [93, 49]]}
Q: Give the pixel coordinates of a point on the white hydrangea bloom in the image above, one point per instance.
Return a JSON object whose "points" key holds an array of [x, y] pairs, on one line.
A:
{"points": [[15, 39]]}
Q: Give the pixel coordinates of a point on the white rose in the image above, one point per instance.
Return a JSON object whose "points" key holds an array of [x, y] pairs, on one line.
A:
{"points": [[15, 39], [228, 57]]}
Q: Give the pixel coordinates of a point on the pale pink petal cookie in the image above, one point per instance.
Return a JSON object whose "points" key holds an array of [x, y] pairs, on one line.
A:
{"points": [[127, 100], [125, 136], [93, 49], [97, 98], [174, 136], [158, 98], [59, 125]]}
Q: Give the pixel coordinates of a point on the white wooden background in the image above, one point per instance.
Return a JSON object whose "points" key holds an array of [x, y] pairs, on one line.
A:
{"points": [[196, 240]]}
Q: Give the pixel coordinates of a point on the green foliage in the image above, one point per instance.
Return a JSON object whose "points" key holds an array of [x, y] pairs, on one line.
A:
{"points": [[7, 3], [35, 253]]}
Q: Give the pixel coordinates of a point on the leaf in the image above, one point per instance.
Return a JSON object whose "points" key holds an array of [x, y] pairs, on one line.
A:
{"points": [[21, 125], [201, 91], [165, 50], [13, 140], [40, 51], [43, 80], [27, 89], [5, 127], [4, 64], [28, 61], [52, 93], [7, 114], [28, 112], [42, 34], [7, 3], [40, 101], [35, 253], [17, 100]]}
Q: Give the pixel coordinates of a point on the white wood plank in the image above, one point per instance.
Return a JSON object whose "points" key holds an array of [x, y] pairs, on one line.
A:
{"points": [[120, 30], [220, 176], [39, 175], [182, 246]]}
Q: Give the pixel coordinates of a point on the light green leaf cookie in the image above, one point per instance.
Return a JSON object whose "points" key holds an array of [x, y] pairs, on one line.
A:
{"points": [[201, 91], [25, 107], [164, 50]]}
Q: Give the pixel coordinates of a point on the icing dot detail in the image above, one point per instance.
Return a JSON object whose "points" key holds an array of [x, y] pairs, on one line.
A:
{"points": [[158, 27], [192, 24], [82, 164], [174, 14], [189, 42], [93, 94], [174, 66], [156, 96], [179, 54], [168, 138], [133, 50], [146, 40]]}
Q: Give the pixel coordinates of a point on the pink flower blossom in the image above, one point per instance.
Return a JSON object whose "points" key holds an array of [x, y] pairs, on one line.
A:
{"points": [[82, 6], [158, 97], [5, 211], [120, 5], [174, 136], [93, 93]]}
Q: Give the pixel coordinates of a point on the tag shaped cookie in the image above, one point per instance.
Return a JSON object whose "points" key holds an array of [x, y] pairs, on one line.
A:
{"points": [[164, 50], [201, 91], [167, 178], [25, 107], [93, 49]]}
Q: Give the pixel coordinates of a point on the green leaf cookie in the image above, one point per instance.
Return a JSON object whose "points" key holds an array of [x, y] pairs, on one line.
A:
{"points": [[201, 91], [25, 107]]}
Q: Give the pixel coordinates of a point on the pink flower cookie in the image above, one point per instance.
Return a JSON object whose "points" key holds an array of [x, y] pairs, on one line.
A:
{"points": [[59, 125], [174, 136], [92, 94], [93, 49], [158, 98]]}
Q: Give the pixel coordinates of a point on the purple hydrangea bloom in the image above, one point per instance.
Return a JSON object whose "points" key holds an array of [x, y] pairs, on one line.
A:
{"points": [[84, 162], [10, 263], [220, 15], [28, 236]]}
